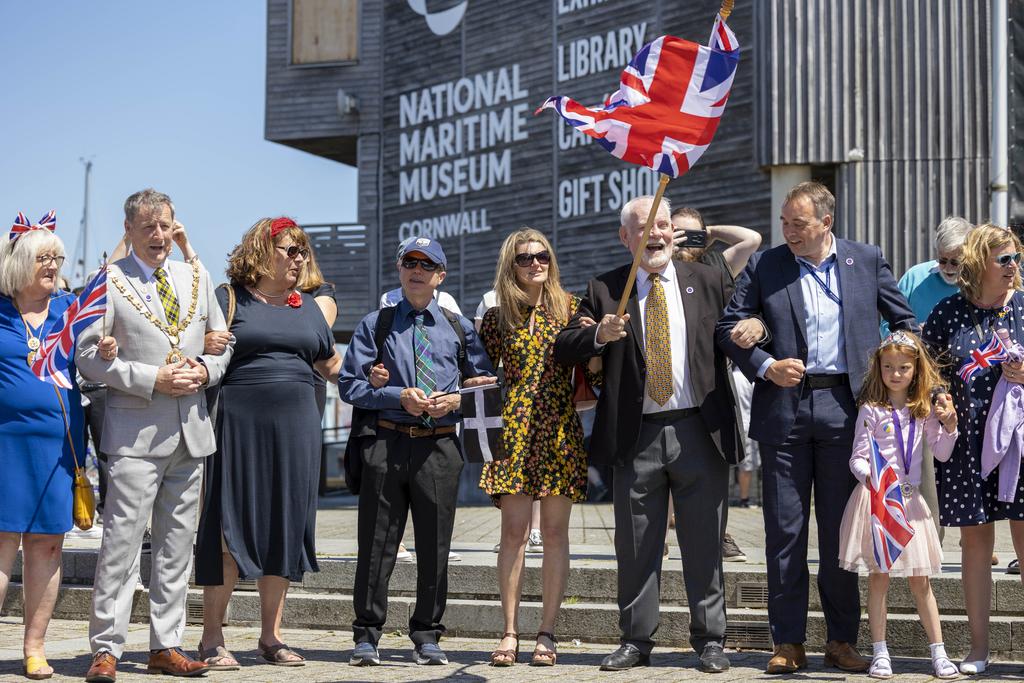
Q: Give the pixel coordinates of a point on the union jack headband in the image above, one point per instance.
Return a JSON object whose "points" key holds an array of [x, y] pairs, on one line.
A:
{"points": [[899, 337], [21, 224]]}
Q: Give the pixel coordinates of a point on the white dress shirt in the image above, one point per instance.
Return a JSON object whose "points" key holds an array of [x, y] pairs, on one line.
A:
{"points": [[682, 393], [147, 277]]}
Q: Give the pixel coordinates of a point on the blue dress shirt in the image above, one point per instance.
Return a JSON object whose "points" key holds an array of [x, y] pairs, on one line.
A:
{"points": [[399, 359]]}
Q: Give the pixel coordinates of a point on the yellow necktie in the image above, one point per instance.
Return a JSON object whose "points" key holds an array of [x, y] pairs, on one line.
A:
{"points": [[167, 298], [658, 344]]}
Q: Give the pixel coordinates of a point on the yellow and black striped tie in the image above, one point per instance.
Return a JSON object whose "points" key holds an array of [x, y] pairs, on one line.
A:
{"points": [[167, 298], [657, 343]]}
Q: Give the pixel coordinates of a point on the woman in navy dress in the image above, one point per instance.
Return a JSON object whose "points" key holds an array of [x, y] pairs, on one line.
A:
{"points": [[989, 299], [35, 459]]}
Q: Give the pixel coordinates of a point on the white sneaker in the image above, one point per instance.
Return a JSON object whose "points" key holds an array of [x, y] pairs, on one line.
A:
{"points": [[93, 533], [403, 555], [535, 544], [454, 556]]}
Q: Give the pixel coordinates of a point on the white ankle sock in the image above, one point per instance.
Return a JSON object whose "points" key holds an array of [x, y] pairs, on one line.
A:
{"points": [[938, 650], [880, 648]]}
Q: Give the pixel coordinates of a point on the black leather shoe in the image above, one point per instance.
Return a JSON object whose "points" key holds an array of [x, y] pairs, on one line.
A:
{"points": [[626, 657], [713, 659]]}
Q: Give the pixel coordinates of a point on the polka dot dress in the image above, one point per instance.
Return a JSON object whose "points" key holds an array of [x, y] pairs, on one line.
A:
{"points": [[965, 499]]}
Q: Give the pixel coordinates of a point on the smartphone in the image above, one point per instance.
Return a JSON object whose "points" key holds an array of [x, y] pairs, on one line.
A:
{"points": [[697, 239]]}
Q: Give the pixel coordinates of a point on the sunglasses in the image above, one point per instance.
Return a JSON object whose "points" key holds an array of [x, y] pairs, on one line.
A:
{"points": [[1006, 259], [410, 263], [525, 260], [294, 250], [949, 262]]}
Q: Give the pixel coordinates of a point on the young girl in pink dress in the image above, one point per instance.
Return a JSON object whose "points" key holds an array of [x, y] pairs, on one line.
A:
{"points": [[897, 408]]}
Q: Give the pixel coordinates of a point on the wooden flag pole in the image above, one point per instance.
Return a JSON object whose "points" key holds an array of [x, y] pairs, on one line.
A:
{"points": [[643, 244]]}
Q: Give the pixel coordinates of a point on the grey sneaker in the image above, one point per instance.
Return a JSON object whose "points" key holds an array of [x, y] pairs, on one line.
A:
{"points": [[535, 544], [364, 654], [730, 551], [430, 654]]}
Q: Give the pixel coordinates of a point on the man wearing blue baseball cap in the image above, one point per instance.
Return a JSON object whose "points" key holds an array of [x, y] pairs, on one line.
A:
{"points": [[414, 458]]}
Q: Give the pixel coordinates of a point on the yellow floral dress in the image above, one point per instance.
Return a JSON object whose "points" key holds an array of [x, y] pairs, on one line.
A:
{"points": [[543, 435]]}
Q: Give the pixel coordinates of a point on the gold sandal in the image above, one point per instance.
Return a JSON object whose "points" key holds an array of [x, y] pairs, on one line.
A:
{"points": [[506, 657], [545, 657], [34, 664]]}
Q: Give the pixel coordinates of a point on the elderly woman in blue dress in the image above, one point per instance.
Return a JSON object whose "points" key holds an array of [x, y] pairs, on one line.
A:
{"points": [[36, 421]]}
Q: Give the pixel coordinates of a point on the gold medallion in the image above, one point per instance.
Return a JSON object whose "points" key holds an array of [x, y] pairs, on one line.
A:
{"points": [[33, 343], [172, 330], [31, 358], [175, 356]]}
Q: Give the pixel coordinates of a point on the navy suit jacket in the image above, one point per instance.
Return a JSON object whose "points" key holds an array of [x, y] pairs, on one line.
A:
{"points": [[769, 287]]}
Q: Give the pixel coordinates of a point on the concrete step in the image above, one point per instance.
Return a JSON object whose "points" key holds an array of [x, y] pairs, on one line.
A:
{"points": [[592, 579], [591, 622]]}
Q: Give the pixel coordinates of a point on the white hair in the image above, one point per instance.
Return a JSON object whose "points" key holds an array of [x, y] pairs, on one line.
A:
{"points": [[952, 233], [18, 258], [639, 208]]}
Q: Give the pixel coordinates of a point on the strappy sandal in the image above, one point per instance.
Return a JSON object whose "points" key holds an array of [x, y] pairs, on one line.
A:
{"points": [[545, 657], [506, 657], [881, 666], [945, 668], [218, 658], [37, 668], [280, 655]]}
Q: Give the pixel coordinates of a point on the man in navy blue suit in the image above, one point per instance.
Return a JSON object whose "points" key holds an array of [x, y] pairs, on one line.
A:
{"points": [[821, 297]]}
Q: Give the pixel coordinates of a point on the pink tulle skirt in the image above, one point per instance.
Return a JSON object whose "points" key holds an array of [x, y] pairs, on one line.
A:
{"points": [[921, 557]]}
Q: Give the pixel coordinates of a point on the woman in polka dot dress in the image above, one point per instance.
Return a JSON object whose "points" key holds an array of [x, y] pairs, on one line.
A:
{"points": [[989, 299]]}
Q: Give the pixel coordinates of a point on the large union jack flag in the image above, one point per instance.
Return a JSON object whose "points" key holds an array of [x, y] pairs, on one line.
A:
{"points": [[668, 105], [992, 353], [890, 530], [54, 356]]}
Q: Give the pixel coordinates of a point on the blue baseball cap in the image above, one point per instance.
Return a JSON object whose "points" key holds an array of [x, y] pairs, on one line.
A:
{"points": [[431, 248]]}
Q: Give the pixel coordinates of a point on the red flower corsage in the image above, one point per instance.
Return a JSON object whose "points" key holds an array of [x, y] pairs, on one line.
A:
{"points": [[294, 299]]}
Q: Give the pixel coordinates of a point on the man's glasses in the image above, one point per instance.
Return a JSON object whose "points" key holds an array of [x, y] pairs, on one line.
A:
{"points": [[1006, 259], [294, 250], [525, 260], [410, 263], [949, 262], [47, 259]]}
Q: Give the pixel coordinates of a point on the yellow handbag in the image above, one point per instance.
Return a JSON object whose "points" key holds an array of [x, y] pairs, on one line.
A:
{"points": [[83, 505]]}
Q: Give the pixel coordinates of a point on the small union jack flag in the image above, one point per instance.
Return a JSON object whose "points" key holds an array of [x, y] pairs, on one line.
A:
{"points": [[52, 362], [890, 530], [671, 96], [21, 224], [992, 353]]}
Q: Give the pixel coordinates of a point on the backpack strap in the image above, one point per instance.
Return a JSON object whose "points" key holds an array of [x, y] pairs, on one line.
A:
{"points": [[230, 290], [453, 319], [385, 319]]}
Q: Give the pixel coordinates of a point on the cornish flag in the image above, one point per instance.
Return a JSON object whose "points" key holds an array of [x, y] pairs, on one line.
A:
{"points": [[670, 99], [992, 353], [482, 425], [891, 532], [55, 353]]}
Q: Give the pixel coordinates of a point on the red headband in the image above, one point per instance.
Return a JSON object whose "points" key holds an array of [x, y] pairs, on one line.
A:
{"points": [[279, 224]]}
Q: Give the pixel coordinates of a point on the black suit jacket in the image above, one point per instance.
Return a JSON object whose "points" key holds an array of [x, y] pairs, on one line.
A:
{"points": [[620, 407]]}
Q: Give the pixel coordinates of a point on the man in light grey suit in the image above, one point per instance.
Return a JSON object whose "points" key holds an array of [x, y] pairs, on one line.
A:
{"points": [[156, 433]]}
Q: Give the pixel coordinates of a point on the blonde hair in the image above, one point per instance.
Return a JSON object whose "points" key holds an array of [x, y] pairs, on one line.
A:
{"points": [[926, 377], [311, 278], [251, 259], [978, 247], [512, 299], [18, 258]]}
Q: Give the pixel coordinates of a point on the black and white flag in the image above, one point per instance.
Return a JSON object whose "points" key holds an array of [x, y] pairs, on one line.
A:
{"points": [[482, 424]]}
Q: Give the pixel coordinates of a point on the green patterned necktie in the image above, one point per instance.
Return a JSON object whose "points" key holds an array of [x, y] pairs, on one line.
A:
{"points": [[657, 343], [426, 379], [167, 298]]}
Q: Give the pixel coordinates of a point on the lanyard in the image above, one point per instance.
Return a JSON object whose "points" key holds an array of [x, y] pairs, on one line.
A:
{"points": [[826, 286], [906, 454]]}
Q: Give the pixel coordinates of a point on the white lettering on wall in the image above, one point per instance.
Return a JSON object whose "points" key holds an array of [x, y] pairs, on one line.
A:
{"points": [[600, 192], [597, 53], [567, 6], [448, 225]]}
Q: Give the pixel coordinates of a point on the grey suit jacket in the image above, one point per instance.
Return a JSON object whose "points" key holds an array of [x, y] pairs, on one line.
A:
{"points": [[140, 421]]}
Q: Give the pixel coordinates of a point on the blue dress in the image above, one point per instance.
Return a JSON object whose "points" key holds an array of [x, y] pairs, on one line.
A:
{"points": [[965, 499], [35, 460]]}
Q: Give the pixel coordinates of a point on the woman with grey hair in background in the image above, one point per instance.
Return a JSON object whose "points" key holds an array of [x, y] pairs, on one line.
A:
{"points": [[37, 420]]}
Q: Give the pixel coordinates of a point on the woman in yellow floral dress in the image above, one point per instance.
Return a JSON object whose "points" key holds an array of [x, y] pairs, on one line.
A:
{"points": [[543, 436]]}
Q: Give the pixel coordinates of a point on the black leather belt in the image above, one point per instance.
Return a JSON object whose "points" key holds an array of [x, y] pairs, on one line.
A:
{"points": [[416, 431], [667, 416], [825, 381]]}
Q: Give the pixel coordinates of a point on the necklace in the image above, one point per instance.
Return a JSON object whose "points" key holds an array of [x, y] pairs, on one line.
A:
{"points": [[32, 335], [271, 296]]}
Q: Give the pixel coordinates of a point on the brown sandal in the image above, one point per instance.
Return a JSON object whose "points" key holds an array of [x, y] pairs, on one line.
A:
{"points": [[506, 657], [280, 655], [547, 657], [218, 658]]}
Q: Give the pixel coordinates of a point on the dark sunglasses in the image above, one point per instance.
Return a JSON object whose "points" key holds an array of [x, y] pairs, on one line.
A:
{"points": [[949, 262], [1007, 259], [409, 263], [541, 257], [294, 250]]}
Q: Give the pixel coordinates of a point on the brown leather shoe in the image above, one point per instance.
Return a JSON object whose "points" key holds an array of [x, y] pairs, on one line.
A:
{"points": [[103, 668], [174, 662], [789, 657], [844, 656]]}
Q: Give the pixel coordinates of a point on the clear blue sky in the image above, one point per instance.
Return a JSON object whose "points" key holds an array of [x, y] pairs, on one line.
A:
{"points": [[168, 95]]}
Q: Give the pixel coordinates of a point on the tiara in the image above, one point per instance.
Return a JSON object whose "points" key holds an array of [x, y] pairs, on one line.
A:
{"points": [[899, 337]]}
